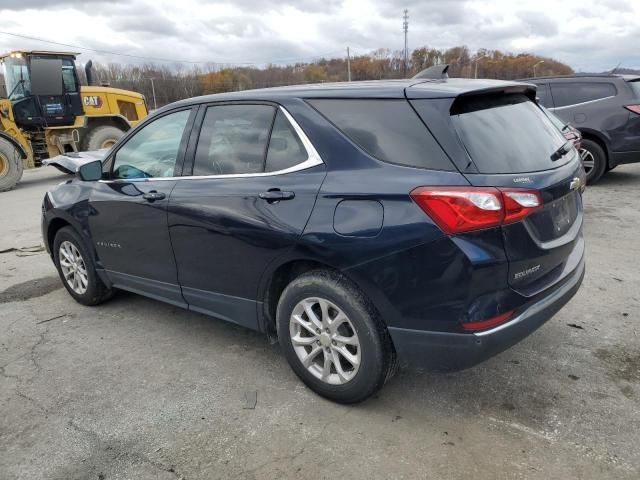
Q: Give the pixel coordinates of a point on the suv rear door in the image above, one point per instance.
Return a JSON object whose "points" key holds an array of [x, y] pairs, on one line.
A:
{"points": [[243, 203], [502, 139]]}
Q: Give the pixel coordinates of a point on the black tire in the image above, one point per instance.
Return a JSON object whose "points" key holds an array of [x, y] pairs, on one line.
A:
{"points": [[96, 291], [11, 167], [377, 355], [599, 160], [104, 136]]}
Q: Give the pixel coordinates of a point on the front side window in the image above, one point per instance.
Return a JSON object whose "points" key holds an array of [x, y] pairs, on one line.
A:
{"points": [[569, 93], [152, 151], [233, 140]]}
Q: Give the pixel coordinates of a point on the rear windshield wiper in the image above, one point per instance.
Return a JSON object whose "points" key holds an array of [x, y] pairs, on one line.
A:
{"points": [[562, 151]]}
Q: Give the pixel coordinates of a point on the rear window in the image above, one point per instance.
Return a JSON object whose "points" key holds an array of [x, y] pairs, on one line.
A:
{"points": [[507, 133], [635, 88], [388, 130], [572, 93]]}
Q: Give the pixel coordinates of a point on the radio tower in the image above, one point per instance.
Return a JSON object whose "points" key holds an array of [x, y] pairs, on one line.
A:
{"points": [[405, 28]]}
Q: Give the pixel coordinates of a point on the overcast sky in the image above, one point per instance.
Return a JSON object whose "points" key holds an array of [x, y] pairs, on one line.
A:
{"points": [[589, 35]]}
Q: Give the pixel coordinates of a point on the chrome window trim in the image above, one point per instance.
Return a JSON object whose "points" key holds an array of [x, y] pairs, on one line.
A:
{"points": [[313, 159], [581, 103]]}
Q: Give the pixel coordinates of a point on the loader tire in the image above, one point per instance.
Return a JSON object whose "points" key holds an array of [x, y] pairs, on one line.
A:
{"points": [[102, 137], [10, 165]]}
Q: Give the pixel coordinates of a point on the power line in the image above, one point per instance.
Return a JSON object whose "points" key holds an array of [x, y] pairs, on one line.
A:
{"points": [[162, 59]]}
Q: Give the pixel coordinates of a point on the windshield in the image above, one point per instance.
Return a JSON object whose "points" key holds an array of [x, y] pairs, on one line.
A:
{"points": [[635, 87], [507, 134], [16, 77]]}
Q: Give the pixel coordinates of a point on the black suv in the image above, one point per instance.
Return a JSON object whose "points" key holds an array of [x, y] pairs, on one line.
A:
{"points": [[606, 110]]}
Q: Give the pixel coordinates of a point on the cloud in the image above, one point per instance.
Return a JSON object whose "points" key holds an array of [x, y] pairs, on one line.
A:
{"points": [[47, 4], [279, 31], [538, 23]]}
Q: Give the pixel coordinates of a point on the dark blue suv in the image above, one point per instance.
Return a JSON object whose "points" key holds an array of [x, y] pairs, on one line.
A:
{"points": [[365, 225]]}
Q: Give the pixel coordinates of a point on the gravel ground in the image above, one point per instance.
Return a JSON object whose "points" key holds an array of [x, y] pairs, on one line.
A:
{"points": [[137, 389]]}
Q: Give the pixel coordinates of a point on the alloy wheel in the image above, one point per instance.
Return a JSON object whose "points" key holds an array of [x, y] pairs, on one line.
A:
{"points": [[73, 267], [588, 161], [325, 340]]}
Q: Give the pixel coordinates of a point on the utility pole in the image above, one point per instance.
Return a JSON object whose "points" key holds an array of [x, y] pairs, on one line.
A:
{"points": [[348, 65], [405, 28], [153, 90], [535, 65]]}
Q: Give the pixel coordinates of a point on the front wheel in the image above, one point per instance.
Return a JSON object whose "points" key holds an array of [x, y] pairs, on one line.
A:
{"points": [[10, 165], [77, 270], [333, 337]]}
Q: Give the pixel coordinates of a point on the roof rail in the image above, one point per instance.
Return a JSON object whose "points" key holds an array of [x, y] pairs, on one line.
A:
{"points": [[436, 72]]}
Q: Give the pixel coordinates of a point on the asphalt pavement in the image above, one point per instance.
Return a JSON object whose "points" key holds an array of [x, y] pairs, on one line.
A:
{"points": [[138, 389]]}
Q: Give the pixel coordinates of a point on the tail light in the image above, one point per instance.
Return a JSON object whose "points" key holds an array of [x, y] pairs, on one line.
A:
{"points": [[463, 209], [633, 108], [490, 322]]}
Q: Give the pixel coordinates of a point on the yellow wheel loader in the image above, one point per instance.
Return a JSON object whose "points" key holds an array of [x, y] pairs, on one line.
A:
{"points": [[44, 111]]}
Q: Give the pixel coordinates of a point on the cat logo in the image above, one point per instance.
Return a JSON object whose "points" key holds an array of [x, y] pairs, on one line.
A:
{"points": [[92, 101]]}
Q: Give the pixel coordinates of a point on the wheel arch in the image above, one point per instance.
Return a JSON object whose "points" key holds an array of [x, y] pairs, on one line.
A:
{"points": [[597, 137], [119, 121], [15, 143], [55, 225], [276, 280]]}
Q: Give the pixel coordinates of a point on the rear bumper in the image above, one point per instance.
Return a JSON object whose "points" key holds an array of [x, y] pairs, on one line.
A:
{"points": [[456, 351]]}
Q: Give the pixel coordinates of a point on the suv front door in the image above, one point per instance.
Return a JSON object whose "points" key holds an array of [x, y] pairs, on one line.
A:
{"points": [[129, 221], [254, 183]]}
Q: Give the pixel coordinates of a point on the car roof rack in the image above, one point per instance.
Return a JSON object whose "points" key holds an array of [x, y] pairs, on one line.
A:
{"points": [[435, 72]]}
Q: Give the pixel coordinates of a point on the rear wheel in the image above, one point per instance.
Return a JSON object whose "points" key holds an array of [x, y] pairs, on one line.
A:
{"points": [[333, 338], [102, 137], [593, 159], [10, 165], [77, 270]]}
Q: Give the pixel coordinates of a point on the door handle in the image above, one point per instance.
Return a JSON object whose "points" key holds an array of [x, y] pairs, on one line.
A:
{"points": [[275, 195], [152, 196]]}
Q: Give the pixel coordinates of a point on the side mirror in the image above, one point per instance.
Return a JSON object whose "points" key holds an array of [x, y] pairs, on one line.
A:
{"points": [[90, 172]]}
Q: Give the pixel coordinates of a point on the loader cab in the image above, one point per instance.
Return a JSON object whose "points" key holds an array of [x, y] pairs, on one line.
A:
{"points": [[43, 88]]}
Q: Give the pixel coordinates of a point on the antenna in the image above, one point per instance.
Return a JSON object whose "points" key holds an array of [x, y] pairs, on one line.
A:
{"points": [[615, 68]]}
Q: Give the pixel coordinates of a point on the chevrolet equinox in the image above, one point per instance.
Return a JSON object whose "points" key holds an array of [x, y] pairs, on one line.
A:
{"points": [[366, 225]]}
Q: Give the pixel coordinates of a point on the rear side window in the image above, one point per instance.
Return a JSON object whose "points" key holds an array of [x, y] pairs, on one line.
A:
{"points": [[507, 133], [285, 147], [233, 140], [388, 130], [579, 92]]}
